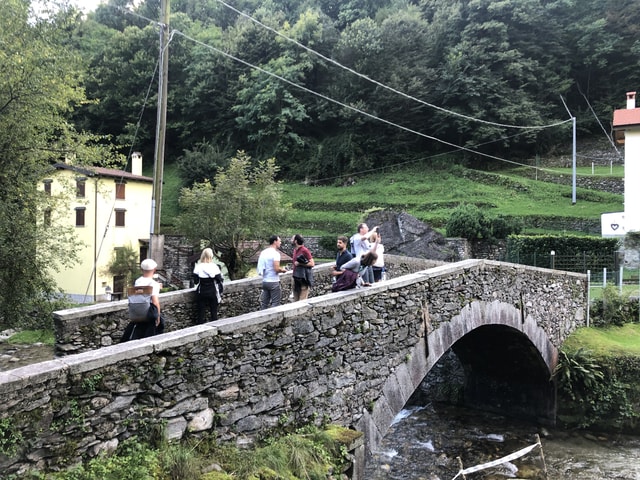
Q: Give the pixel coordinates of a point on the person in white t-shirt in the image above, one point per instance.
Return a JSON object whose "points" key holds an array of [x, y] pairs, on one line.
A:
{"points": [[378, 266], [137, 330], [361, 245], [269, 268]]}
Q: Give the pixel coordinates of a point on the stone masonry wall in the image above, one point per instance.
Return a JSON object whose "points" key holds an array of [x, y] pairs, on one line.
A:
{"points": [[326, 359], [83, 329]]}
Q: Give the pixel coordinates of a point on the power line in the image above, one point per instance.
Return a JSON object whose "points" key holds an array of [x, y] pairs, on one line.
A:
{"points": [[386, 87], [344, 105], [599, 123]]}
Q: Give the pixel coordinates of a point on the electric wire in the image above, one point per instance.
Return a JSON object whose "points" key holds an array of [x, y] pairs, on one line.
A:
{"points": [[606, 134], [344, 105], [380, 84], [133, 141]]}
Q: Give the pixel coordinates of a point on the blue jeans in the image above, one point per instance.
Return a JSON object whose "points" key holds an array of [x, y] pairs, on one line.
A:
{"points": [[270, 295], [367, 274]]}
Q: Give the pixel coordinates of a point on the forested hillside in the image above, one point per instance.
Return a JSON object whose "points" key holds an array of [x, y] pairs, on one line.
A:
{"points": [[340, 86]]}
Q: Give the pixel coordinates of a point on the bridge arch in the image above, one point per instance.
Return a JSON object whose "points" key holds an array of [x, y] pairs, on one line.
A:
{"points": [[507, 360]]}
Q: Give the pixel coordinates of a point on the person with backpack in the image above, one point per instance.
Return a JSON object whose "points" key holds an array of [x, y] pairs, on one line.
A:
{"points": [[208, 278], [144, 305]]}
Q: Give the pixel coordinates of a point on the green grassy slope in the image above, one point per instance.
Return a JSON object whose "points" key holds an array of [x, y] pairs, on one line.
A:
{"points": [[430, 195]]}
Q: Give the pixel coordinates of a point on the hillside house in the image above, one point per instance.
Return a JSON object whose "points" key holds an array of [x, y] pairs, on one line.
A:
{"points": [[110, 209], [626, 129]]}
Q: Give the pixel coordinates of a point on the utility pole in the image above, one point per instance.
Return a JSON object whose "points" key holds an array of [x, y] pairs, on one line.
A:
{"points": [[156, 245], [573, 177], [574, 172]]}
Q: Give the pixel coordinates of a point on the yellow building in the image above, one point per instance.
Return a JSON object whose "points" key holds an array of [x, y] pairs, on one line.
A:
{"points": [[109, 209]]}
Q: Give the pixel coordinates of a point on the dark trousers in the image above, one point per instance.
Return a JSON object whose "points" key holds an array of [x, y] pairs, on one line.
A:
{"points": [[138, 330], [377, 273], [204, 302]]}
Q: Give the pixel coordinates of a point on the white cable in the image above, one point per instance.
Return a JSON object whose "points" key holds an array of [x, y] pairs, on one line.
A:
{"points": [[386, 87], [497, 462], [355, 109]]}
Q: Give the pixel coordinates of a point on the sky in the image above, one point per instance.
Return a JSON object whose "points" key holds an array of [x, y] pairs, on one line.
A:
{"points": [[87, 5]]}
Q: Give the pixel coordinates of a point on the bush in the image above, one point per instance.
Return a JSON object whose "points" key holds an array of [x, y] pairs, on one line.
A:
{"points": [[328, 242], [468, 221], [613, 308], [502, 227]]}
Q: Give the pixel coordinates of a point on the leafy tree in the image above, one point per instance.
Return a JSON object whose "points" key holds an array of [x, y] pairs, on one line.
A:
{"points": [[201, 163], [39, 86], [124, 263], [243, 204], [268, 110], [468, 221]]}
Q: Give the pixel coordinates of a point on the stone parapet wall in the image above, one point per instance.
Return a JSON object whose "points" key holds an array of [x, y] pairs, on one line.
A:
{"points": [[351, 358], [82, 329]]}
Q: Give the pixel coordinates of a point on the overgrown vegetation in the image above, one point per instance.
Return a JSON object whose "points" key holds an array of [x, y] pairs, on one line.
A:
{"points": [[598, 391], [124, 263], [29, 337], [614, 308], [243, 203], [309, 453], [468, 221], [598, 367], [439, 51]]}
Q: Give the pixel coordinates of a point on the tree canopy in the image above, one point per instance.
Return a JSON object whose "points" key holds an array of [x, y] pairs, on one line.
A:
{"points": [[241, 205], [40, 77], [292, 79]]}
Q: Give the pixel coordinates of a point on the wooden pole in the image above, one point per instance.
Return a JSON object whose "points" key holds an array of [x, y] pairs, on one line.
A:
{"points": [[158, 165]]}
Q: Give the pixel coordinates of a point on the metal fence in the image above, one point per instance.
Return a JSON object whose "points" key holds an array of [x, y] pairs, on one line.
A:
{"points": [[601, 269], [580, 262]]}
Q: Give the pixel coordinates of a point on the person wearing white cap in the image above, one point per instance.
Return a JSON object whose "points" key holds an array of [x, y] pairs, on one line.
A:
{"points": [[136, 331]]}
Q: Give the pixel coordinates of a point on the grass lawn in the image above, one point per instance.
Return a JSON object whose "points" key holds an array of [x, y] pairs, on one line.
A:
{"points": [[431, 195], [597, 171], [623, 340], [29, 337], [426, 192]]}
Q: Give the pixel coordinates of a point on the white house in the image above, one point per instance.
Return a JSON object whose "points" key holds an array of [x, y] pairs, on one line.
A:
{"points": [[110, 209], [626, 128]]}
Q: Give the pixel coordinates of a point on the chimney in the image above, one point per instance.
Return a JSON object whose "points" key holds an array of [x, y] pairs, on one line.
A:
{"points": [[631, 100], [136, 163]]}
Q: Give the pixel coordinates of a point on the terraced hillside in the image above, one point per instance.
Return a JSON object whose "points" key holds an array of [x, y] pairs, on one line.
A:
{"points": [[430, 195]]}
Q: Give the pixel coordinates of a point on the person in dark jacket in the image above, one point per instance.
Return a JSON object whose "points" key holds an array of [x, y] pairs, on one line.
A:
{"points": [[343, 255], [209, 285]]}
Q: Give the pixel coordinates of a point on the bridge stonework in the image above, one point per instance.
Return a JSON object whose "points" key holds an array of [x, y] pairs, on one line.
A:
{"points": [[352, 358]]}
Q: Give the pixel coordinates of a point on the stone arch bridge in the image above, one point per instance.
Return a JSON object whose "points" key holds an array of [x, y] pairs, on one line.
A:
{"points": [[353, 358]]}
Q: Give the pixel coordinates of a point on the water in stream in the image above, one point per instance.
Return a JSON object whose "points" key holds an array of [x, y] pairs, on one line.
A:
{"points": [[424, 443]]}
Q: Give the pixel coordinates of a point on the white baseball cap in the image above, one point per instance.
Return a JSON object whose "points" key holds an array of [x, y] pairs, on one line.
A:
{"points": [[148, 264]]}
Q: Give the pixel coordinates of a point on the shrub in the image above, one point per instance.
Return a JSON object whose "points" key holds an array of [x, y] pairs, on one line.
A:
{"points": [[468, 221], [502, 227], [613, 308], [328, 242]]}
